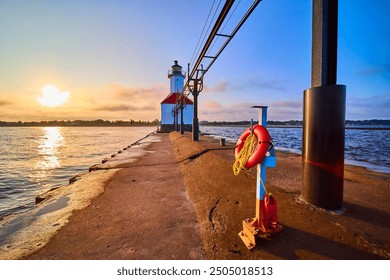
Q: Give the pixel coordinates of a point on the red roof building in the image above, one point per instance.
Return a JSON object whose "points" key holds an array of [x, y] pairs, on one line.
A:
{"points": [[176, 76]]}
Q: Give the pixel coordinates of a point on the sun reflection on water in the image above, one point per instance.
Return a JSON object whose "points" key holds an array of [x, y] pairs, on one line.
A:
{"points": [[48, 146]]}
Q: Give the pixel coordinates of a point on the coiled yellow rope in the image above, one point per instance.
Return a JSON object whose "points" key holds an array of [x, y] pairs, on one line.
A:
{"points": [[247, 150]]}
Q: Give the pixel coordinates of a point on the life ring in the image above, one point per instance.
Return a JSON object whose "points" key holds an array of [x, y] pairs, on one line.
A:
{"points": [[263, 144]]}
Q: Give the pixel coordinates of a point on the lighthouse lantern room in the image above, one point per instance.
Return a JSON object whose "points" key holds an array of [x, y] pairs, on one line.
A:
{"points": [[176, 76]]}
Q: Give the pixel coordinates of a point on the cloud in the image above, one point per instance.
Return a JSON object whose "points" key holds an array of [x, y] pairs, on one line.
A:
{"points": [[271, 85], [4, 103], [286, 110], [122, 107], [259, 83], [154, 92], [279, 110], [118, 92], [212, 106], [374, 107], [215, 111], [375, 70], [219, 87], [288, 104], [381, 101], [119, 107], [253, 83], [117, 101]]}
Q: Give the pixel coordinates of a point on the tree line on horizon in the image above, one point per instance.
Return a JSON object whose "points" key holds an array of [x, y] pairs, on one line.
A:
{"points": [[98, 122]]}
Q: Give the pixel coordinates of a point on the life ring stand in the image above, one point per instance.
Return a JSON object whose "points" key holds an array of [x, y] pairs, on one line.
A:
{"points": [[263, 145]]}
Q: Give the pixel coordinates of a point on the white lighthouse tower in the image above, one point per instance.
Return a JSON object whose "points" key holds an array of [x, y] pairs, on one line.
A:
{"points": [[176, 76]]}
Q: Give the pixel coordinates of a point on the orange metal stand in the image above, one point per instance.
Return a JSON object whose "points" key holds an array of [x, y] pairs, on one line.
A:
{"points": [[260, 226]]}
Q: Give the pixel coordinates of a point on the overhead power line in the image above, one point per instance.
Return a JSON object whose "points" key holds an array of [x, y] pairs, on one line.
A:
{"points": [[225, 10], [194, 82], [215, 34], [196, 50]]}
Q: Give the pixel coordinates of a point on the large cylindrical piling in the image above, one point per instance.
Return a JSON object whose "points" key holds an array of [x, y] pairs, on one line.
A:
{"points": [[323, 146]]}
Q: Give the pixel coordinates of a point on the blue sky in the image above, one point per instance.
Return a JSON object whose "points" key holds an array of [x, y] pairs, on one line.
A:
{"points": [[113, 57]]}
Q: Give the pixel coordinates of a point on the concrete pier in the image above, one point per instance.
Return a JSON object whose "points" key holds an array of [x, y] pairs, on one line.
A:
{"points": [[144, 213]]}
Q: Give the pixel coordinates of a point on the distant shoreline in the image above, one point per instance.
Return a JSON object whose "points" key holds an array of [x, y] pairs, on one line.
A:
{"points": [[367, 127], [86, 125], [82, 123], [349, 124], [2, 124]]}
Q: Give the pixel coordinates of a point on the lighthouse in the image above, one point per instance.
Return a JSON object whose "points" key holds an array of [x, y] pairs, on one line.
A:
{"points": [[176, 77]]}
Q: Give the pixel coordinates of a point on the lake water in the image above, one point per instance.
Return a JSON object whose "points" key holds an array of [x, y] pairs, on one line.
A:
{"points": [[36, 159], [364, 147]]}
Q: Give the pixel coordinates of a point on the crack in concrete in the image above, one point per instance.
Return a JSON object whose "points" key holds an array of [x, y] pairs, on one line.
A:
{"points": [[212, 211]]}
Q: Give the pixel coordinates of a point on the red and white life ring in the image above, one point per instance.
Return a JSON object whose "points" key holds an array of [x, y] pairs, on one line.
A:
{"points": [[263, 144]]}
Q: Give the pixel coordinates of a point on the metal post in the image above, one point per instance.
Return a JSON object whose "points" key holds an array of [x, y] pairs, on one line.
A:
{"points": [[324, 43], [181, 119], [324, 115], [195, 123], [269, 161], [175, 119], [257, 226]]}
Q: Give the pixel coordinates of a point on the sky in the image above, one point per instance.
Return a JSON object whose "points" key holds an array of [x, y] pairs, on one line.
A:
{"points": [[109, 59]]}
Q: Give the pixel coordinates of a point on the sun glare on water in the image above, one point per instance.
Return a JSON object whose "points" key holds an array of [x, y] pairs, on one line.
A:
{"points": [[51, 96]]}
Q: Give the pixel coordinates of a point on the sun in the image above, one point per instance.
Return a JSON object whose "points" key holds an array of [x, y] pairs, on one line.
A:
{"points": [[51, 96]]}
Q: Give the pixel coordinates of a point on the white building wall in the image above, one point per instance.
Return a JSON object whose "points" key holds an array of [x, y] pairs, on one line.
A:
{"points": [[176, 83], [167, 116]]}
